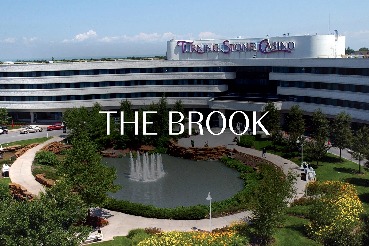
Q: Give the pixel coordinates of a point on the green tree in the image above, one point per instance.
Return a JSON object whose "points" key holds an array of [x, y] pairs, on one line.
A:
{"points": [[341, 134], [130, 138], [76, 119], [82, 120], [317, 148], [360, 145], [86, 173], [363, 49], [272, 121], [320, 125], [160, 119], [349, 51], [178, 106], [296, 125], [3, 116], [270, 196], [49, 220]]}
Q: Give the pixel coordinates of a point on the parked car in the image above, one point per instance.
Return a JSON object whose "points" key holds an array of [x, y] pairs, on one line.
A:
{"points": [[37, 128], [23, 130], [31, 129], [56, 126], [4, 130]]}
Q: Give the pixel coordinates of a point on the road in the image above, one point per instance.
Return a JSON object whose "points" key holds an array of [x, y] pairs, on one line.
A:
{"points": [[345, 154], [14, 135]]}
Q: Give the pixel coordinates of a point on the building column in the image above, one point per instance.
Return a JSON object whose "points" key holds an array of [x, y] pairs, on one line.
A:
{"points": [[32, 117]]}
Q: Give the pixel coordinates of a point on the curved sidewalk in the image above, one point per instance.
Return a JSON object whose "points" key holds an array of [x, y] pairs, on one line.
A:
{"points": [[120, 224], [21, 170]]}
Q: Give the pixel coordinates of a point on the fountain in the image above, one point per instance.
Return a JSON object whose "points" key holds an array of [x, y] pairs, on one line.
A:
{"points": [[146, 168]]}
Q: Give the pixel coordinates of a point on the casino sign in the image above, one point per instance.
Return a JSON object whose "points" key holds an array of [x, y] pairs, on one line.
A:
{"points": [[264, 46]]}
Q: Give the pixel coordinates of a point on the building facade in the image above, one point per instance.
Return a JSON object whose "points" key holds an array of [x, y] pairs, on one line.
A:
{"points": [[225, 75]]}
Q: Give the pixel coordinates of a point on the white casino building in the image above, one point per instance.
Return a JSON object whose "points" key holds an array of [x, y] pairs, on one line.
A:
{"points": [[207, 75]]}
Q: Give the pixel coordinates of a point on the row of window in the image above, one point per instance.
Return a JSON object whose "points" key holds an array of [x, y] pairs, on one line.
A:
{"points": [[276, 69], [113, 71], [328, 101], [106, 96], [323, 70], [109, 84], [325, 86]]}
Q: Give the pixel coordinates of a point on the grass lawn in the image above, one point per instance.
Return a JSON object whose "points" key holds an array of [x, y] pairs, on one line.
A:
{"points": [[50, 172], [334, 169], [330, 168], [27, 141], [121, 241], [293, 233], [4, 181]]}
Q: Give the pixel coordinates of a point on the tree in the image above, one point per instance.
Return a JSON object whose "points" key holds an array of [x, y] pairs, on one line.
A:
{"points": [[3, 116], [85, 172], [317, 148], [272, 121], [49, 220], [363, 49], [349, 51], [320, 125], [341, 135], [160, 119], [129, 138], [178, 106], [296, 124], [270, 196], [82, 120], [360, 145]]}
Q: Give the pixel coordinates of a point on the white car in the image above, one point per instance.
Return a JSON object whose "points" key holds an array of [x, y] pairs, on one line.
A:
{"points": [[23, 130], [37, 128], [31, 129]]}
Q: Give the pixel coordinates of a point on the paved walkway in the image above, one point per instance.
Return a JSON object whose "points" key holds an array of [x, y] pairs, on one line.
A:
{"points": [[20, 171], [120, 224]]}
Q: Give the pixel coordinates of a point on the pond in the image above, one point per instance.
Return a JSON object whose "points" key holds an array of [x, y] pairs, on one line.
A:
{"points": [[185, 183]]}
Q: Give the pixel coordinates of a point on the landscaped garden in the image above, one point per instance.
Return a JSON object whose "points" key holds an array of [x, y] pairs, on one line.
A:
{"points": [[334, 213]]}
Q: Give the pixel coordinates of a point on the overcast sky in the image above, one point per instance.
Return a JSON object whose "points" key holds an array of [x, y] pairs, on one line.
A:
{"points": [[35, 29]]}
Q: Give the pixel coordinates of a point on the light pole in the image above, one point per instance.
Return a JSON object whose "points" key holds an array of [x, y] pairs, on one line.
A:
{"points": [[302, 149], [209, 199]]}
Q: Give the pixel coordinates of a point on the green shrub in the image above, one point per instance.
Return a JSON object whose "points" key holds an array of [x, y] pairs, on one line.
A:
{"points": [[137, 235], [335, 216], [236, 164], [246, 141], [46, 158], [270, 195], [162, 142]]}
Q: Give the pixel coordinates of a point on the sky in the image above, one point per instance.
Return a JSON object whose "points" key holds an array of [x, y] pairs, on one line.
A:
{"points": [[42, 29]]}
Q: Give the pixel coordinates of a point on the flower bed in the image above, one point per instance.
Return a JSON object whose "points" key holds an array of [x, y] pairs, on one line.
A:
{"points": [[335, 214], [176, 238]]}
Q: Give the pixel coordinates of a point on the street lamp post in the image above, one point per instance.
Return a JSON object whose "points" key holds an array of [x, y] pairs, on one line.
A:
{"points": [[302, 149], [209, 199]]}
